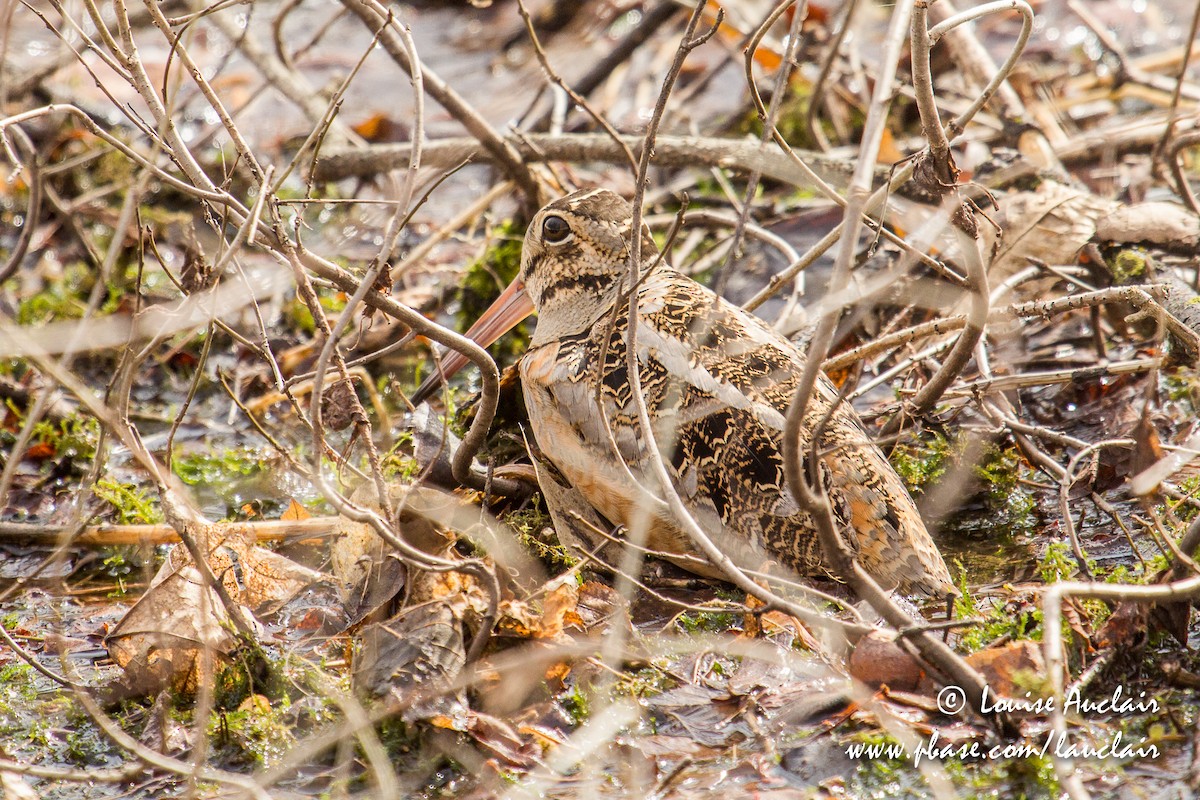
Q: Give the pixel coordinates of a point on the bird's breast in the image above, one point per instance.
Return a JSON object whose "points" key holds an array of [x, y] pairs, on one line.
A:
{"points": [[558, 381]]}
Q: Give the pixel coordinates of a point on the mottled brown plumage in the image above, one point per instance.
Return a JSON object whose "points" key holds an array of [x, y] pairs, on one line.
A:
{"points": [[717, 383]]}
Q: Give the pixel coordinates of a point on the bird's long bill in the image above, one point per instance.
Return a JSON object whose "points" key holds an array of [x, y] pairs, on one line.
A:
{"points": [[512, 306]]}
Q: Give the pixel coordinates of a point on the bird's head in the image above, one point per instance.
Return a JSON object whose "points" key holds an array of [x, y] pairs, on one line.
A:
{"points": [[575, 260], [574, 264]]}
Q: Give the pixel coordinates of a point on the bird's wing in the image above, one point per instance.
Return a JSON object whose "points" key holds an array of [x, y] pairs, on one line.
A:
{"points": [[718, 382], [729, 381]]}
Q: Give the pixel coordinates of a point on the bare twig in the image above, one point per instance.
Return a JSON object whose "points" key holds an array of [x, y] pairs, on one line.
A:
{"points": [[373, 13]]}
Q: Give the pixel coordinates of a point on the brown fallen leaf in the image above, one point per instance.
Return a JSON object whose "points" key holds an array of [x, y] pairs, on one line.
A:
{"points": [[415, 656], [1010, 669], [600, 607], [163, 732], [558, 609], [253, 576], [522, 619], [878, 660], [295, 511], [497, 737], [159, 642]]}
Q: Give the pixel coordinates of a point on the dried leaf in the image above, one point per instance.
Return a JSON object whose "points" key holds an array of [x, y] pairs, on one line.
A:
{"points": [[1051, 224], [558, 672], [163, 732], [160, 640], [380, 128], [522, 619], [1078, 619], [253, 576], [878, 660], [501, 740], [40, 451], [295, 511], [709, 716], [1149, 448], [415, 656], [558, 609], [599, 607], [1126, 628], [1004, 667]]}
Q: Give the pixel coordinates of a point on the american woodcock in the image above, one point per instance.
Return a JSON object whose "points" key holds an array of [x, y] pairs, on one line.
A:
{"points": [[717, 383]]}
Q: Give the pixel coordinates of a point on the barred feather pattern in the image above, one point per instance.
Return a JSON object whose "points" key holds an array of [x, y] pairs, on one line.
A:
{"points": [[717, 383]]}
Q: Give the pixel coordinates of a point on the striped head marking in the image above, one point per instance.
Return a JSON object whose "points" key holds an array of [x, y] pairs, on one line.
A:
{"points": [[573, 264], [576, 259]]}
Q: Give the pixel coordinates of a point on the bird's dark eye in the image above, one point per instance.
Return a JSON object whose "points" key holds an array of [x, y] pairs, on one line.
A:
{"points": [[555, 230]]}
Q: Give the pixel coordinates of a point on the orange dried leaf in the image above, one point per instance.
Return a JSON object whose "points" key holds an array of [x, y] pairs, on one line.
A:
{"points": [[558, 672], [295, 511], [558, 610], [889, 153], [443, 721], [40, 451], [1000, 666]]}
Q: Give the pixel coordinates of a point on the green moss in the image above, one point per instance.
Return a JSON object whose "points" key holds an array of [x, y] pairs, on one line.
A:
{"points": [[300, 318], [923, 462], [112, 167], [17, 693], [85, 744], [880, 772], [535, 530], [1128, 265], [997, 620], [395, 734], [162, 217], [133, 504], [577, 704], [39, 722], [64, 299], [645, 682], [251, 670], [209, 468], [1000, 472], [1185, 511], [1057, 564], [886, 776], [706, 621], [72, 437], [398, 463], [257, 733], [234, 475], [790, 120], [1181, 386]]}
